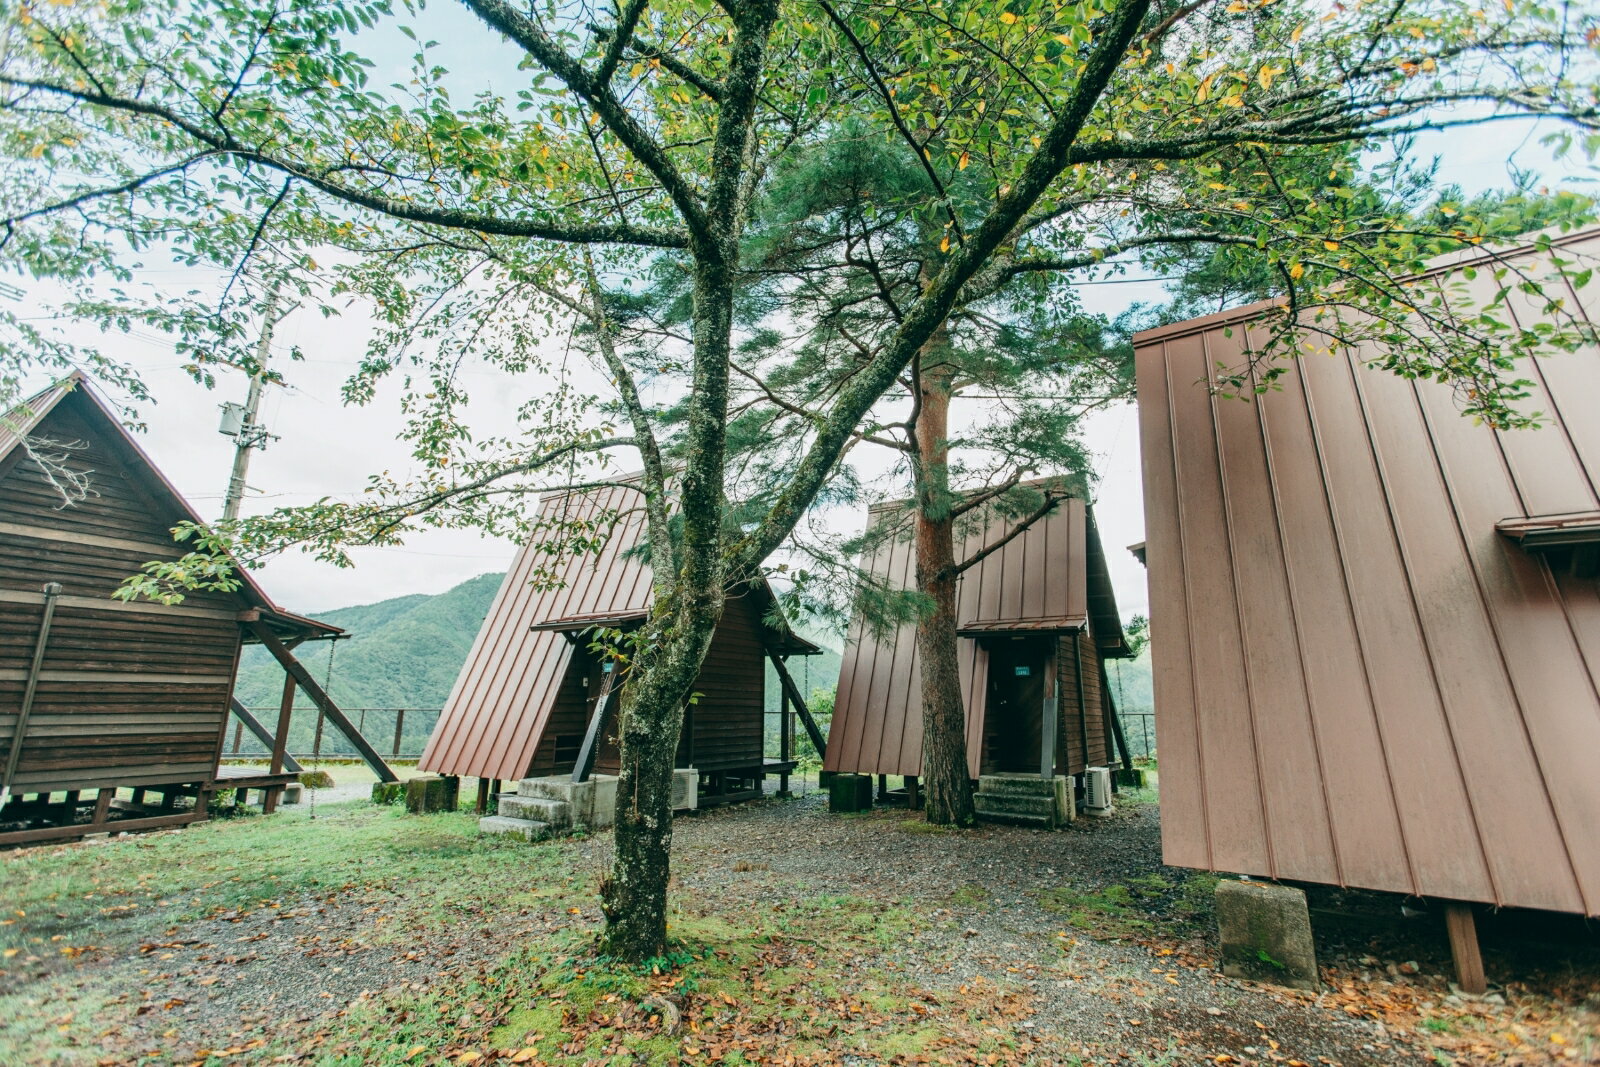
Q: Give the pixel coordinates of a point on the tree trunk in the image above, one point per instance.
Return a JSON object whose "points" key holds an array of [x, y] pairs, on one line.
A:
{"points": [[633, 894], [946, 778], [688, 606]]}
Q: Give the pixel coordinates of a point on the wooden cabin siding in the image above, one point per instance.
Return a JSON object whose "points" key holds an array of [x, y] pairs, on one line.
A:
{"points": [[727, 719], [722, 729], [1092, 719], [128, 693], [569, 718], [1359, 679]]}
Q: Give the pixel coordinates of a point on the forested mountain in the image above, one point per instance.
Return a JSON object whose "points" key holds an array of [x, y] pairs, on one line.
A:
{"points": [[406, 653], [402, 653]]}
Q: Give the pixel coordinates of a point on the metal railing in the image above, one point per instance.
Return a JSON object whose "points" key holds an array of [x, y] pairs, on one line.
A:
{"points": [[397, 733], [1140, 729]]}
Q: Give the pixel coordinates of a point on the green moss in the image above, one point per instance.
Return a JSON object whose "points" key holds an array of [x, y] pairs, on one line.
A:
{"points": [[1107, 913]]}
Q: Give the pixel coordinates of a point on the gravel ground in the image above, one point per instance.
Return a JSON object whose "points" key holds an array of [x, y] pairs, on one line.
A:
{"points": [[982, 891], [1142, 992]]}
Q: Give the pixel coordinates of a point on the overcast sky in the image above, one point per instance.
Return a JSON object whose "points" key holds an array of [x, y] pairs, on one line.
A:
{"points": [[323, 448]]}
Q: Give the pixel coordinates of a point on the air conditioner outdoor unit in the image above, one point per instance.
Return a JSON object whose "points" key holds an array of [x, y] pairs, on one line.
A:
{"points": [[685, 789], [1097, 789]]}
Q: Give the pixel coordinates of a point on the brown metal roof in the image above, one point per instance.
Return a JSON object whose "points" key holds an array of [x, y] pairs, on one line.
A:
{"points": [[1358, 680], [495, 718], [75, 389], [1039, 582]]}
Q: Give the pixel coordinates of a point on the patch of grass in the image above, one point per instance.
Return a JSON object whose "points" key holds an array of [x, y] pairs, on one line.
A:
{"points": [[971, 896], [1107, 913], [750, 983], [922, 826], [1135, 907]]}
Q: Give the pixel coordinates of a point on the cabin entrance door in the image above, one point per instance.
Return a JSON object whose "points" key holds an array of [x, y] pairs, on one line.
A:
{"points": [[1016, 730]]}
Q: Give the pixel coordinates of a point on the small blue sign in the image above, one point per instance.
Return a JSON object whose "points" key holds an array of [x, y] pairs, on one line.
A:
{"points": [[1023, 670]]}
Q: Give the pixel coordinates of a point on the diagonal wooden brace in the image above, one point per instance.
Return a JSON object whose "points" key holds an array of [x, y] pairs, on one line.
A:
{"points": [[792, 691], [324, 703], [261, 733]]}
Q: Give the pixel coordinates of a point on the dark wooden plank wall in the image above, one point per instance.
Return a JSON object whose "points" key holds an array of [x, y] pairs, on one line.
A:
{"points": [[1071, 733], [723, 728], [727, 719], [129, 694]]}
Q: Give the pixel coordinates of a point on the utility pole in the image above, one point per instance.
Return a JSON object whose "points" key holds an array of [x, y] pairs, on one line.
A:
{"points": [[240, 422]]}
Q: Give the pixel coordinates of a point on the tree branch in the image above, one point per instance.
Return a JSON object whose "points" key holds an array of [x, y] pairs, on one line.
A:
{"points": [[223, 143], [1050, 501], [500, 15], [934, 306]]}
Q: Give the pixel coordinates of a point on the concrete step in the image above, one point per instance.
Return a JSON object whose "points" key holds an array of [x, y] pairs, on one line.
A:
{"points": [[527, 829], [1029, 785], [1016, 808], [556, 787], [555, 813]]}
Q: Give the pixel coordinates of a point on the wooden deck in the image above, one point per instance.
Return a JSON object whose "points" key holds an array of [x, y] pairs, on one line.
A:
{"points": [[149, 807]]}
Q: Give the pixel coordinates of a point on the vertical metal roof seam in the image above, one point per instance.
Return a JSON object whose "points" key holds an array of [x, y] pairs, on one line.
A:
{"points": [[1341, 540], [1489, 615], [1188, 614], [894, 654], [1582, 312], [1230, 520], [1297, 633], [510, 644], [1427, 640], [1554, 401], [1560, 597]]}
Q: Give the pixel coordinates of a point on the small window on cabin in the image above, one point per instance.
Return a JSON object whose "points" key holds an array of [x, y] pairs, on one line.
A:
{"points": [[567, 746]]}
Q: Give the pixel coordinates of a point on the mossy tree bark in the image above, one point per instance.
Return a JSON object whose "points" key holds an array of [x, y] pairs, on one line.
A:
{"points": [[944, 721]]}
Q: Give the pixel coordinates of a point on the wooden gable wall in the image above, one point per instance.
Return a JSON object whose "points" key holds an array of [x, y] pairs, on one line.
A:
{"points": [[722, 730], [129, 694]]}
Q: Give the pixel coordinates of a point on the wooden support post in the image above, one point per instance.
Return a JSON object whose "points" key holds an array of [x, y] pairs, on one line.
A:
{"points": [[785, 741], [1463, 931], [102, 806], [72, 798], [883, 788], [269, 799], [483, 796], [238, 737], [280, 759], [324, 703], [138, 795], [1116, 722], [399, 730], [913, 793]]}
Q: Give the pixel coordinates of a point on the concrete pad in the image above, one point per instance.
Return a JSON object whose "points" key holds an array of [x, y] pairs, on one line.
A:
{"points": [[432, 793], [1266, 934]]}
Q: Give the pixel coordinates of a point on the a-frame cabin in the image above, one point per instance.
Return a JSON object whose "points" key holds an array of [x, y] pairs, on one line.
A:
{"points": [[1037, 620], [100, 695], [535, 700]]}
